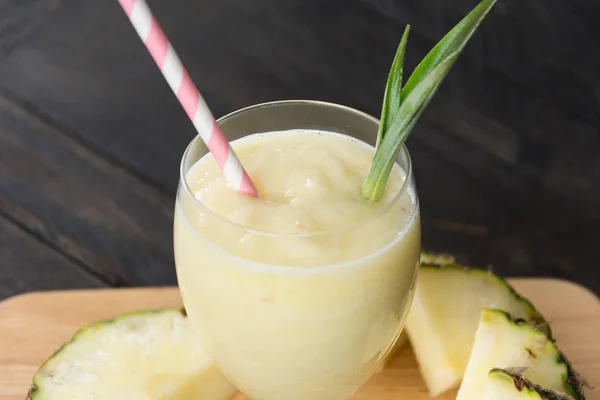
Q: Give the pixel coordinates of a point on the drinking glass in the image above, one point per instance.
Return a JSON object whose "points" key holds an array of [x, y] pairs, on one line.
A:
{"points": [[277, 328]]}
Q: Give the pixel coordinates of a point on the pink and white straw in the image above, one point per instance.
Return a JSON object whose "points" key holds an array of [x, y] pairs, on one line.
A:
{"points": [[192, 102]]}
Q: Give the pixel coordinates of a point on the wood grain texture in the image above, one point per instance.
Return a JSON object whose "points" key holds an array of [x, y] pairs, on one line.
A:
{"points": [[506, 156], [106, 87], [46, 269], [94, 211], [19, 19], [43, 321], [544, 45]]}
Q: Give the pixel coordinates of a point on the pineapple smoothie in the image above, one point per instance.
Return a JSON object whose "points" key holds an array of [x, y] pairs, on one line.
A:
{"points": [[300, 293]]}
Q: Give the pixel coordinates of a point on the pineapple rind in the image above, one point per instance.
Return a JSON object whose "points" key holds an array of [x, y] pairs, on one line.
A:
{"points": [[441, 360], [34, 391], [221, 390], [504, 385], [545, 365], [437, 258]]}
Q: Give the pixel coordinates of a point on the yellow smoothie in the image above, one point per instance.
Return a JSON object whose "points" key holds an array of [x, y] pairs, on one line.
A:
{"points": [[298, 294]]}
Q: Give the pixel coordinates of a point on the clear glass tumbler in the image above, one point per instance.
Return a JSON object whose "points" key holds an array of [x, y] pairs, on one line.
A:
{"points": [[278, 329]]}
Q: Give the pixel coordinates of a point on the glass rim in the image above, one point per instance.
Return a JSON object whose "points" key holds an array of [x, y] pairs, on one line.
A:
{"points": [[403, 151]]}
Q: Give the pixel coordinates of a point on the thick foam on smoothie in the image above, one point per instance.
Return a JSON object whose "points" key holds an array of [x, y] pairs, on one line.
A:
{"points": [[309, 183]]}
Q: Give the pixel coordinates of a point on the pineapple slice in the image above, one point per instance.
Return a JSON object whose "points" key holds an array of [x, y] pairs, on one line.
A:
{"points": [[136, 356], [445, 314], [426, 258], [504, 342], [504, 385]]}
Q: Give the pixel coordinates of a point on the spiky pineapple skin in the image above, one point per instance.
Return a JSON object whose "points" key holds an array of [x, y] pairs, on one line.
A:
{"points": [[515, 387], [569, 382], [444, 369]]}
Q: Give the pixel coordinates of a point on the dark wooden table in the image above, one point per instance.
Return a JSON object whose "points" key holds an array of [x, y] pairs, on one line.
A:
{"points": [[507, 157]]}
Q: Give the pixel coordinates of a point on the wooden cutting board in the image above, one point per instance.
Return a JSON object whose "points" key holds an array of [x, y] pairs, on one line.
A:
{"points": [[34, 325]]}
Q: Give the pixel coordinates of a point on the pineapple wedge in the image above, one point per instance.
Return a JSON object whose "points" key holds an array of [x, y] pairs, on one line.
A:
{"points": [[445, 314], [504, 342], [426, 258], [147, 355], [504, 385]]}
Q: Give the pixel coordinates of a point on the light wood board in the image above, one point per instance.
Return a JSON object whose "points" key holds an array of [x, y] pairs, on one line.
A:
{"points": [[34, 325]]}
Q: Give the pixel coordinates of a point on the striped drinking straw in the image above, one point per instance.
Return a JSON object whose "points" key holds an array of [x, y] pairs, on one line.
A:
{"points": [[192, 102]]}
